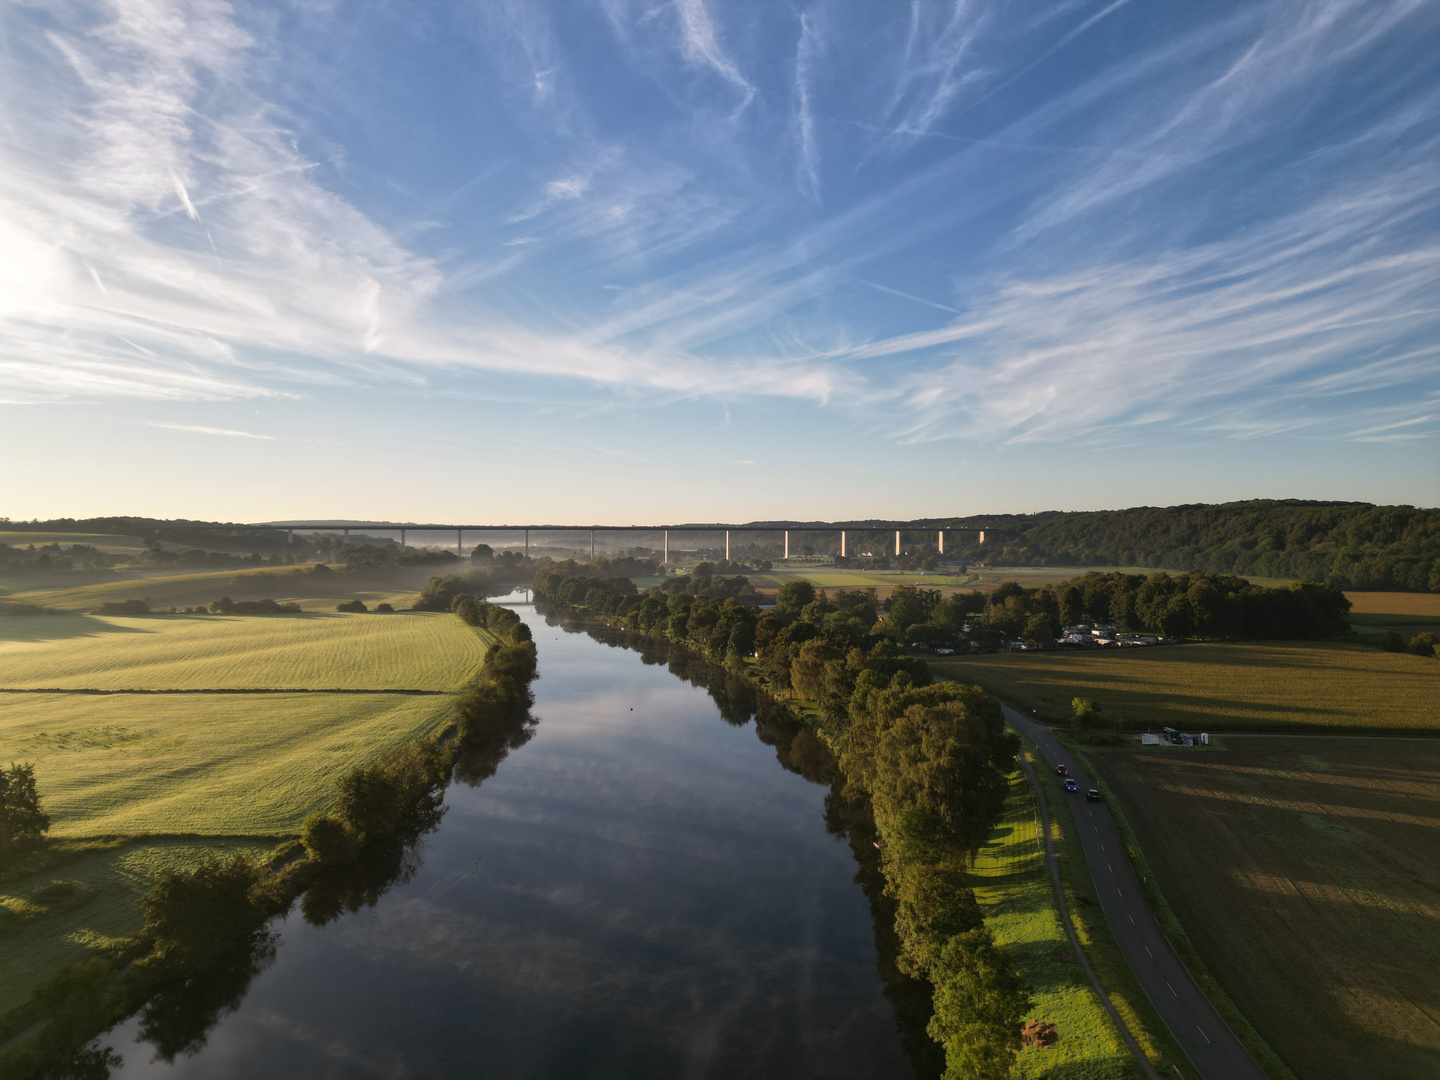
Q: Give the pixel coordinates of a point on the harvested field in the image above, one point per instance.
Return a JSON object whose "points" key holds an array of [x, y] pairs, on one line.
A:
{"points": [[310, 651], [1304, 871], [221, 764], [1249, 686]]}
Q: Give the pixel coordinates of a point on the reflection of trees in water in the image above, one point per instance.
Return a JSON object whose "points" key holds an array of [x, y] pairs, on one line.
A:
{"points": [[847, 810], [345, 889], [89, 1064], [178, 1016]]}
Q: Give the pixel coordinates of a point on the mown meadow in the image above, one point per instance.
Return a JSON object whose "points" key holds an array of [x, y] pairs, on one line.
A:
{"points": [[304, 651]]}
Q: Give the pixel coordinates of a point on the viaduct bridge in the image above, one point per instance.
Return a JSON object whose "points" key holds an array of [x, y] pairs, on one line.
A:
{"points": [[899, 528]]}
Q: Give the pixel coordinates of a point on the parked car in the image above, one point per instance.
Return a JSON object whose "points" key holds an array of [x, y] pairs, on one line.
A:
{"points": [[1061, 770], [1071, 785], [1093, 795]]}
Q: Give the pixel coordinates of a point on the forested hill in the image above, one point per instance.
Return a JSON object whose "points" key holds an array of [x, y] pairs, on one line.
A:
{"points": [[1350, 545]]}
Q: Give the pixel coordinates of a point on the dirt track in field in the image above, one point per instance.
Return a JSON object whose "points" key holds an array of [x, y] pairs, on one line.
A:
{"points": [[1307, 873]]}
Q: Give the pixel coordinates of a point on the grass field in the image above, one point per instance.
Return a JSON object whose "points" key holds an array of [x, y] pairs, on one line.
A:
{"points": [[410, 650], [1304, 871], [221, 764], [1247, 686], [1018, 902], [199, 588]]}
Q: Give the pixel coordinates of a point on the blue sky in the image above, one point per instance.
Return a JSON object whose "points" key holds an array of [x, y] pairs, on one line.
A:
{"points": [[597, 260]]}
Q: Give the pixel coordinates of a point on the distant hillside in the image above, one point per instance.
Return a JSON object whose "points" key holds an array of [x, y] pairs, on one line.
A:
{"points": [[1350, 545]]}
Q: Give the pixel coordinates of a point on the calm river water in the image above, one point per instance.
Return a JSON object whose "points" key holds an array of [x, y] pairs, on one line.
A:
{"points": [[642, 890]]}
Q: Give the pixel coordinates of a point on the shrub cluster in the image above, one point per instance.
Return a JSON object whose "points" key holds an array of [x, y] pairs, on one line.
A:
{"points": [[226, 606]]}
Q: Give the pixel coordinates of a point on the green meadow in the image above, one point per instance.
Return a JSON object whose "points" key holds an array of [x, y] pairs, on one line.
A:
{"points": [[308, 651]]}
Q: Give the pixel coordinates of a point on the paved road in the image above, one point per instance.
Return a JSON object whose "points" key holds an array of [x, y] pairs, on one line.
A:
{"points": [[1211, 1045]]}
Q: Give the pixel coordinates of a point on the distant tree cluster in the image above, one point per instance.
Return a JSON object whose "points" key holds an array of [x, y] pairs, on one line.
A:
{"points": [[53, 558], [226, 606], [1186, 605], [501, 577], [1348, 545]]}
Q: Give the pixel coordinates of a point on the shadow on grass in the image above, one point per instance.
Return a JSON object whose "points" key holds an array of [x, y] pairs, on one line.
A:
{"points": [[32, 629]]}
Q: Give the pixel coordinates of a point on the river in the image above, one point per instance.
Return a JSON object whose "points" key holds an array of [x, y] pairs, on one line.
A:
{"points": [[641, 890]]}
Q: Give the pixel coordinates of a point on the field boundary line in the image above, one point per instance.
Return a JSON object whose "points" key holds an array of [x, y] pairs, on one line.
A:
{"points": [[1054, 864]]}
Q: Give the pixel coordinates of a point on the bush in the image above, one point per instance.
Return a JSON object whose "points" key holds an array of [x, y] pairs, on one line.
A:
{"points": [[328, 840], [352, 605], [1390, 641], [1084, 714], [1424, 645], [385, 609], [125, 607]]}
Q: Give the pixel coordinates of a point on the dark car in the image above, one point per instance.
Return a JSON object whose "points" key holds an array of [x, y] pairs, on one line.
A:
{"points": [[1093, 795], [1071, 785], [1061, 770]]}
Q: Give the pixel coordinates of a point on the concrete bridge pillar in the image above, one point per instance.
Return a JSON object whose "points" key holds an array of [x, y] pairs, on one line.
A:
{"points": [[727, 545], [666, 559], [527, 543], [982, 536], [842, 543], [897, 543], [942, 541], [787, 543], [402, 539], [592, 546], [459, 545]]}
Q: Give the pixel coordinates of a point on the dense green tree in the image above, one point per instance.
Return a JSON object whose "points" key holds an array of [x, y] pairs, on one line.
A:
{"points": [[22, 825], [980, 1002]]}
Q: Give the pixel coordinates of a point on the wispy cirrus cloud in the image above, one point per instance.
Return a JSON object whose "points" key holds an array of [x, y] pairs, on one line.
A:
{"points": [[1155, 237]]}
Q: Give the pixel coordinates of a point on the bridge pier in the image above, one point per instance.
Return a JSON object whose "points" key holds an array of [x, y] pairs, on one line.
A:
{"points": [[842, 543], [897, 543], [592, 547], [666, 560], [727, 545], [787, 543], [459, 545], [942, 541], [982, 536], [402, 540], [527, 543]]}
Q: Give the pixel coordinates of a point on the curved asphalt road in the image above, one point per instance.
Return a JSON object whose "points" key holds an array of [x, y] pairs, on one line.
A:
{"points": [[1212, 1047]]}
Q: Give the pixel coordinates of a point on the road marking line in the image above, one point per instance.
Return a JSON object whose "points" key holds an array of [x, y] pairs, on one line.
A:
{"points": [[1110, 868], [1172, 989], [1102, 846], [1149, 953], [1202, 1034], [1132, 922]]}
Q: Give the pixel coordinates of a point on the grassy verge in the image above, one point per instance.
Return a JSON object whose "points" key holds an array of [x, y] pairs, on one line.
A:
{"points": [[1175, 931], [1013, 888], [1109, 963]]}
